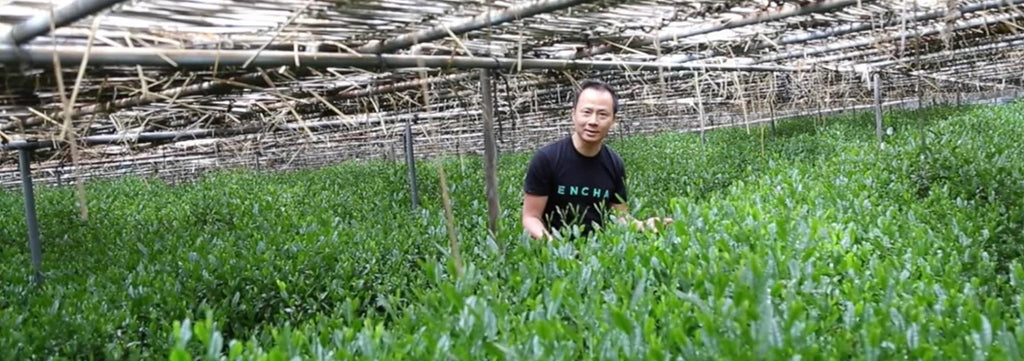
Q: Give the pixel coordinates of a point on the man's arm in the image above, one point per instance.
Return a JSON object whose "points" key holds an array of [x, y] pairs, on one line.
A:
{"points": [[533, 210], [536, 188]]}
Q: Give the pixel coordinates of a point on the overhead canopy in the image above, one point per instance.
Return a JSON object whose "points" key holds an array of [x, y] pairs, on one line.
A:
{"points": [[245, 70]]}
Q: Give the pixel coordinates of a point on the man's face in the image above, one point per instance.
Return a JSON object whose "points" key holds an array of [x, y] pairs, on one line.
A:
{"points": [[593, 115]]}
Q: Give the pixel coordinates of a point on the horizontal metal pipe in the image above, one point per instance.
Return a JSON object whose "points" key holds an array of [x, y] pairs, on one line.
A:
{"points": [[198, 59], [388, 45], [67, 14]]}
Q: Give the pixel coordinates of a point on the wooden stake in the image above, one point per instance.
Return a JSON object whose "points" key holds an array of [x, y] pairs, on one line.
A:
{"points": [[700, 107], [771, 103], [820, 119], [453, 241], [878, 107], [920, 119], [410, 163], [490, 153], [743, 102], [762, 141]]}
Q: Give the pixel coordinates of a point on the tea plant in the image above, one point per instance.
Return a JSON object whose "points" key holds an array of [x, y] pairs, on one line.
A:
{"points": [[824, 246]]}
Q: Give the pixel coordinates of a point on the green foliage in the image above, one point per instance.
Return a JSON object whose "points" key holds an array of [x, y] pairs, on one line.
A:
{"points": [[823, 246]]}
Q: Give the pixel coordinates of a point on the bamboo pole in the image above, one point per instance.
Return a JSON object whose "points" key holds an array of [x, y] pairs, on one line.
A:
{"points": [[207, 88], [771, 103], [453, 238], [110, 57], [375, 47], [485, 19], [743, 101], [1003, 44], [919, 32], [135, 137], [490, 153], [42, 24], [841, 30], [836, 58], [386, 89], [878, 107], [755, 18], [942, 76], [68, 130], [970, 65], [223, 86], [410, 163], [700, 108]]}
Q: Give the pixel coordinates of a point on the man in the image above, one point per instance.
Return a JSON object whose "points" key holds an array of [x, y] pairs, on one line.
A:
{"points": [[576, 180]]}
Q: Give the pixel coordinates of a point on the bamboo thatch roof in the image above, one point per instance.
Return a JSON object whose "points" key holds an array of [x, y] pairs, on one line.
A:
{"points": [[340, 79]]}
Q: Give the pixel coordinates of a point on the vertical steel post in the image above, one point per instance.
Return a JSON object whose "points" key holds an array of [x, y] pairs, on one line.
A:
{"points": [[30, 215]]}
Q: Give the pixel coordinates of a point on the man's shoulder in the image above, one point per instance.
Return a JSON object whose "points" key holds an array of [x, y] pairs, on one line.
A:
{"points": [[558, 144], [552, 149], [613, 156]]}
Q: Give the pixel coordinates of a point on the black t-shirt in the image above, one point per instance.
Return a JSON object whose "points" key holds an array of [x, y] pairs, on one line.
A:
{"points": [[580, 189]]}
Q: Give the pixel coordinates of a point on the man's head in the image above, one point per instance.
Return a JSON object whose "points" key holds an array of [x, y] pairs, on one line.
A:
{"points": [[594, 111]]}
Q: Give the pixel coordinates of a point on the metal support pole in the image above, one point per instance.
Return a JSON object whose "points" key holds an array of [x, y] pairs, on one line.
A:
{"points": [[878, 107], [410, 162], [490, 152], [205, 58], [30, 215]]}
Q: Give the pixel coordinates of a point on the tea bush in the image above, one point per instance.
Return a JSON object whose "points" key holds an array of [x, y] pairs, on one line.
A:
{"points": [[824, 245]]}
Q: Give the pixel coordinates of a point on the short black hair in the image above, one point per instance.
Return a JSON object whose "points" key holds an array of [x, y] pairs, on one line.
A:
{"points": [[600, 85]]}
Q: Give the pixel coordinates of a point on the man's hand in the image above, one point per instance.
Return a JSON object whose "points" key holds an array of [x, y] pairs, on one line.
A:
{"points": [[533, 210], [625, 218], [652, 223]]}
